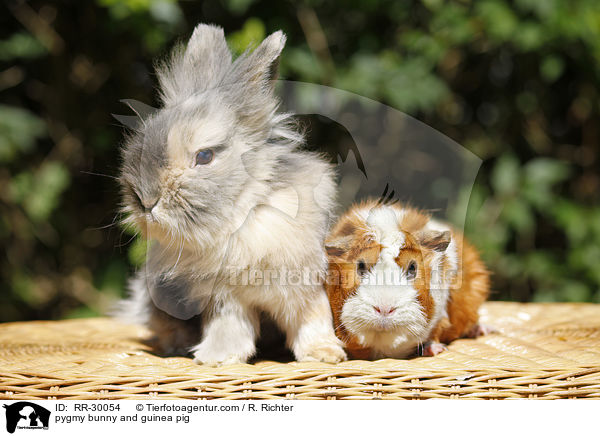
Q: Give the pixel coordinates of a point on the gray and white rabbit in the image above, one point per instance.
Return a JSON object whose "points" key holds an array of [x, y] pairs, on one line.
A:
{"points": [[216, 181]]}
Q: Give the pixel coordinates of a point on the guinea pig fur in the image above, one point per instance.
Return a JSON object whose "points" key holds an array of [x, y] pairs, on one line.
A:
{"points": [[217, 180], [400, 282]]}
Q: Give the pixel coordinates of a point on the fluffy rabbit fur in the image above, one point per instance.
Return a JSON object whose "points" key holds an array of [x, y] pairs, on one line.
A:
{"points": [[259, 205]]}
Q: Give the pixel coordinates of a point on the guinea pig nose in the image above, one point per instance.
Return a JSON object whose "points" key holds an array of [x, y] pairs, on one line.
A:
{"points": [[383, 310]]}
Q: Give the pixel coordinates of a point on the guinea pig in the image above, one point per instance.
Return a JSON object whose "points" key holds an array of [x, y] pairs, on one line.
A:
{"points": [[400, 282]]}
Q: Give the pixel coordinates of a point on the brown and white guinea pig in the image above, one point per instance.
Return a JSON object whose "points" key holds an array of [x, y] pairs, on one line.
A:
{"points": [[400, 282]]}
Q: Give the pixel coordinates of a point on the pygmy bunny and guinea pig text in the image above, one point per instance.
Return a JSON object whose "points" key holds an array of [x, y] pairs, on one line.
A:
{"points": [[400, 281]]}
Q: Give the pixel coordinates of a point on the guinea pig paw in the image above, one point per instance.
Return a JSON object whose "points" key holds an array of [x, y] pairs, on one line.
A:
{"points": [[329, 353], [431, 349], [481, 330]]}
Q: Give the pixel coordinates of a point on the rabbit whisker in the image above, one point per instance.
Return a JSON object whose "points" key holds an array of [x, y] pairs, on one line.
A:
{"points": [[115, 222], [178, 256], [135, 235], [99, 174]]}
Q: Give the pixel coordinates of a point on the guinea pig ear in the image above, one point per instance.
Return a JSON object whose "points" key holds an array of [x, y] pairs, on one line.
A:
{"points": [[336, 247], [201, 66], [434, 240]]}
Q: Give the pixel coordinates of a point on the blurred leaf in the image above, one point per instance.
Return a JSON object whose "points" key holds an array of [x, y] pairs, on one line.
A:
{"points": [[137, 251], [238, 7], [452, 25], [499, 21], [546, 171], [153, 20], [542, 9], [412, 87], [123, 8], [527, 102], [40, 193], [83, 312], [167, 11], [434, 5], [544, 296], [423, 44], [540, 265], [301, 61], [22, 286], [362, 76], [530, 36], [408, 85], [506, 176], [541, 175], [111, 279], [19, 129], [552, 68], [21, 45], [519, 215], [569, 217], [572, 291], [252, 33]]}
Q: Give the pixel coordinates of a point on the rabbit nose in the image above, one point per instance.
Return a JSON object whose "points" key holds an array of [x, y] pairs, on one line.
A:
{"points": [[384, 311], [146, 204], [149, 205]]}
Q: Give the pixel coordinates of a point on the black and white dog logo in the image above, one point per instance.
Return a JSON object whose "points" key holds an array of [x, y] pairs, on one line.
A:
{"points": [[26, 415]]}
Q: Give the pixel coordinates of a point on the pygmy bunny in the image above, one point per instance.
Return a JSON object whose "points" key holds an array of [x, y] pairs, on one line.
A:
{"points": [[216, 181]]}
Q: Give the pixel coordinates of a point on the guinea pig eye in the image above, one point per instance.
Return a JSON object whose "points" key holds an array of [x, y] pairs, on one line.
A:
{"points": [[411, 271], [204, 157], [361, 267]]}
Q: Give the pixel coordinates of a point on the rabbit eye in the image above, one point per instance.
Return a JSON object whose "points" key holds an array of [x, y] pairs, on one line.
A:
{"points": [[204, 157], [361, 267], [411, 271]]}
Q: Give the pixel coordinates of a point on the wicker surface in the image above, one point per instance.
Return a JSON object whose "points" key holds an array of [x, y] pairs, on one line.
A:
{"points": [[541, 351]]}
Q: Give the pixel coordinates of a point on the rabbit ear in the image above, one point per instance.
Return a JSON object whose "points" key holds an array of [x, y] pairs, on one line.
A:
{"points": [[252, 82], [208, 49], [201, 66], [266, 55], [261, 65]]}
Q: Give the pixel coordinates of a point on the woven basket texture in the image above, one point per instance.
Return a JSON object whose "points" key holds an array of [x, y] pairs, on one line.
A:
{"points": [[540, 351]]}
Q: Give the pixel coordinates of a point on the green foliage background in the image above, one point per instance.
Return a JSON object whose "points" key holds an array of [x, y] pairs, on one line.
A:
{"points": [[516, 82]]}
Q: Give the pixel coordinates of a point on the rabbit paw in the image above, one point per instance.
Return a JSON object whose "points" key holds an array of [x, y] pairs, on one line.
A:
{"points": [[173, 342], [432, 349], [323, 352], [214, 351], [211, 355]]}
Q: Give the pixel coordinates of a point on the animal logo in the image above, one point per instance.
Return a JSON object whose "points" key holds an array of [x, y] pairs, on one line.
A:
{"points": [[26, 415]]}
